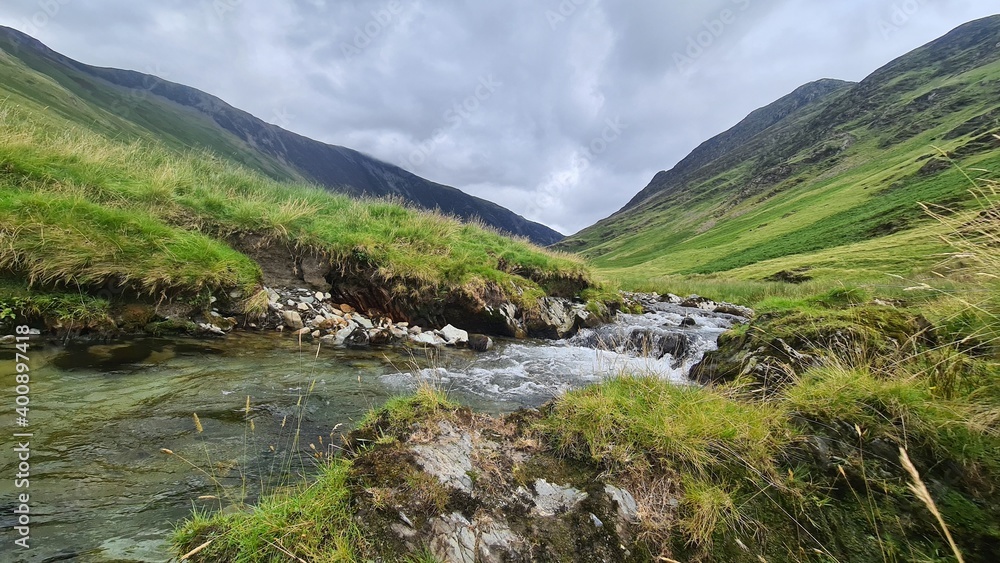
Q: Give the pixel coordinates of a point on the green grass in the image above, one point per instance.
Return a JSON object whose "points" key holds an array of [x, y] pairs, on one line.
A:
{"points": [[636, 422], [79, 211], [313, 523]]}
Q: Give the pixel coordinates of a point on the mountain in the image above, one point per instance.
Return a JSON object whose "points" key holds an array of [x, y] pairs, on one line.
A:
{"points": [[831, 165], [123, 102]]}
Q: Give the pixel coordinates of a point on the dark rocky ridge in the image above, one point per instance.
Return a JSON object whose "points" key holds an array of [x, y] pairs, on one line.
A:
{"points": [[276, 152]]}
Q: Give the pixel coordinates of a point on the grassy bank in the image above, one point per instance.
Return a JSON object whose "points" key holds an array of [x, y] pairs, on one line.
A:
{"points": [[80, 212]]}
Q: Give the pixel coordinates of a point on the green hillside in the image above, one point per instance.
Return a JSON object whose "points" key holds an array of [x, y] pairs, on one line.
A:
{"points": [[82, 210], [833, 174]]}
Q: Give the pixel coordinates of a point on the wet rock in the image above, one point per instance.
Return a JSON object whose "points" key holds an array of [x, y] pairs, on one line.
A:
{"points": [[480, 342], [363, 322], [292, 320], [210, 329], [427, 339], [342, 335], [358, 338], [689, 321], [555, 318], [378, 336], [454, 336]]}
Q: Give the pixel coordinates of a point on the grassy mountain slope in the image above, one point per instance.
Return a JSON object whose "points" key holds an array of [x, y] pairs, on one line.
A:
{"points": [[81, 213], [135, 105], [831, 165]]}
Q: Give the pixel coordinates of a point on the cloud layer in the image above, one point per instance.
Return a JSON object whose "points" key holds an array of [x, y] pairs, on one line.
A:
{"points": [[560, 110]]}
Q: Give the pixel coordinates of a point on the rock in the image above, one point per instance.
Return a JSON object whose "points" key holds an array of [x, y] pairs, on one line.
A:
{"points": [[303, 307], [7, 338], [324, 323], [427, 339], [315, 333], [448, 458], [596, 521], [415, 330], [273, 296], [319, 296], [346, 308], [378, 336], [358, 338], [480, 342], [398, 333], [689, 321], [330, 340], [735, 310], [628, 509], [290, 303], [454, 336], [308, 300], [555, 499], [483, 540], [342, 334], [292, 320], [362, 321], [211, 329], [304, 333], [696, 301], [327, 296]]}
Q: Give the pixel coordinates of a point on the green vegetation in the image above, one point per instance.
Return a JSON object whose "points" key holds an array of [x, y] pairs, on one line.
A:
{"points": [[313, 522], [82, 212]]}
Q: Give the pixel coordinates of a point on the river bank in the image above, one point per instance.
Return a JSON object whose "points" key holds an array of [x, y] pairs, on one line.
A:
{"points": [[792, 451], [98, 447]]}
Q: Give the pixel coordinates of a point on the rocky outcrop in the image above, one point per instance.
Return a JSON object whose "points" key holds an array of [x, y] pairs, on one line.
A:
{"points": [[475, 488]]}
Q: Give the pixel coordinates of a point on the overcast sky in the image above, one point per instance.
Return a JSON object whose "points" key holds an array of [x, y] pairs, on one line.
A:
{"points": [[558, 110]]}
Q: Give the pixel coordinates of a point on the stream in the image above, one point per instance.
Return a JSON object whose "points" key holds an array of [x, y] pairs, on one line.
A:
{"points": [[102, 490]]}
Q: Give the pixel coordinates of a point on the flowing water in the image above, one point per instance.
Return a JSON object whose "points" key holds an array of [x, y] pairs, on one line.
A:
{"points": [[102, 490]]}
